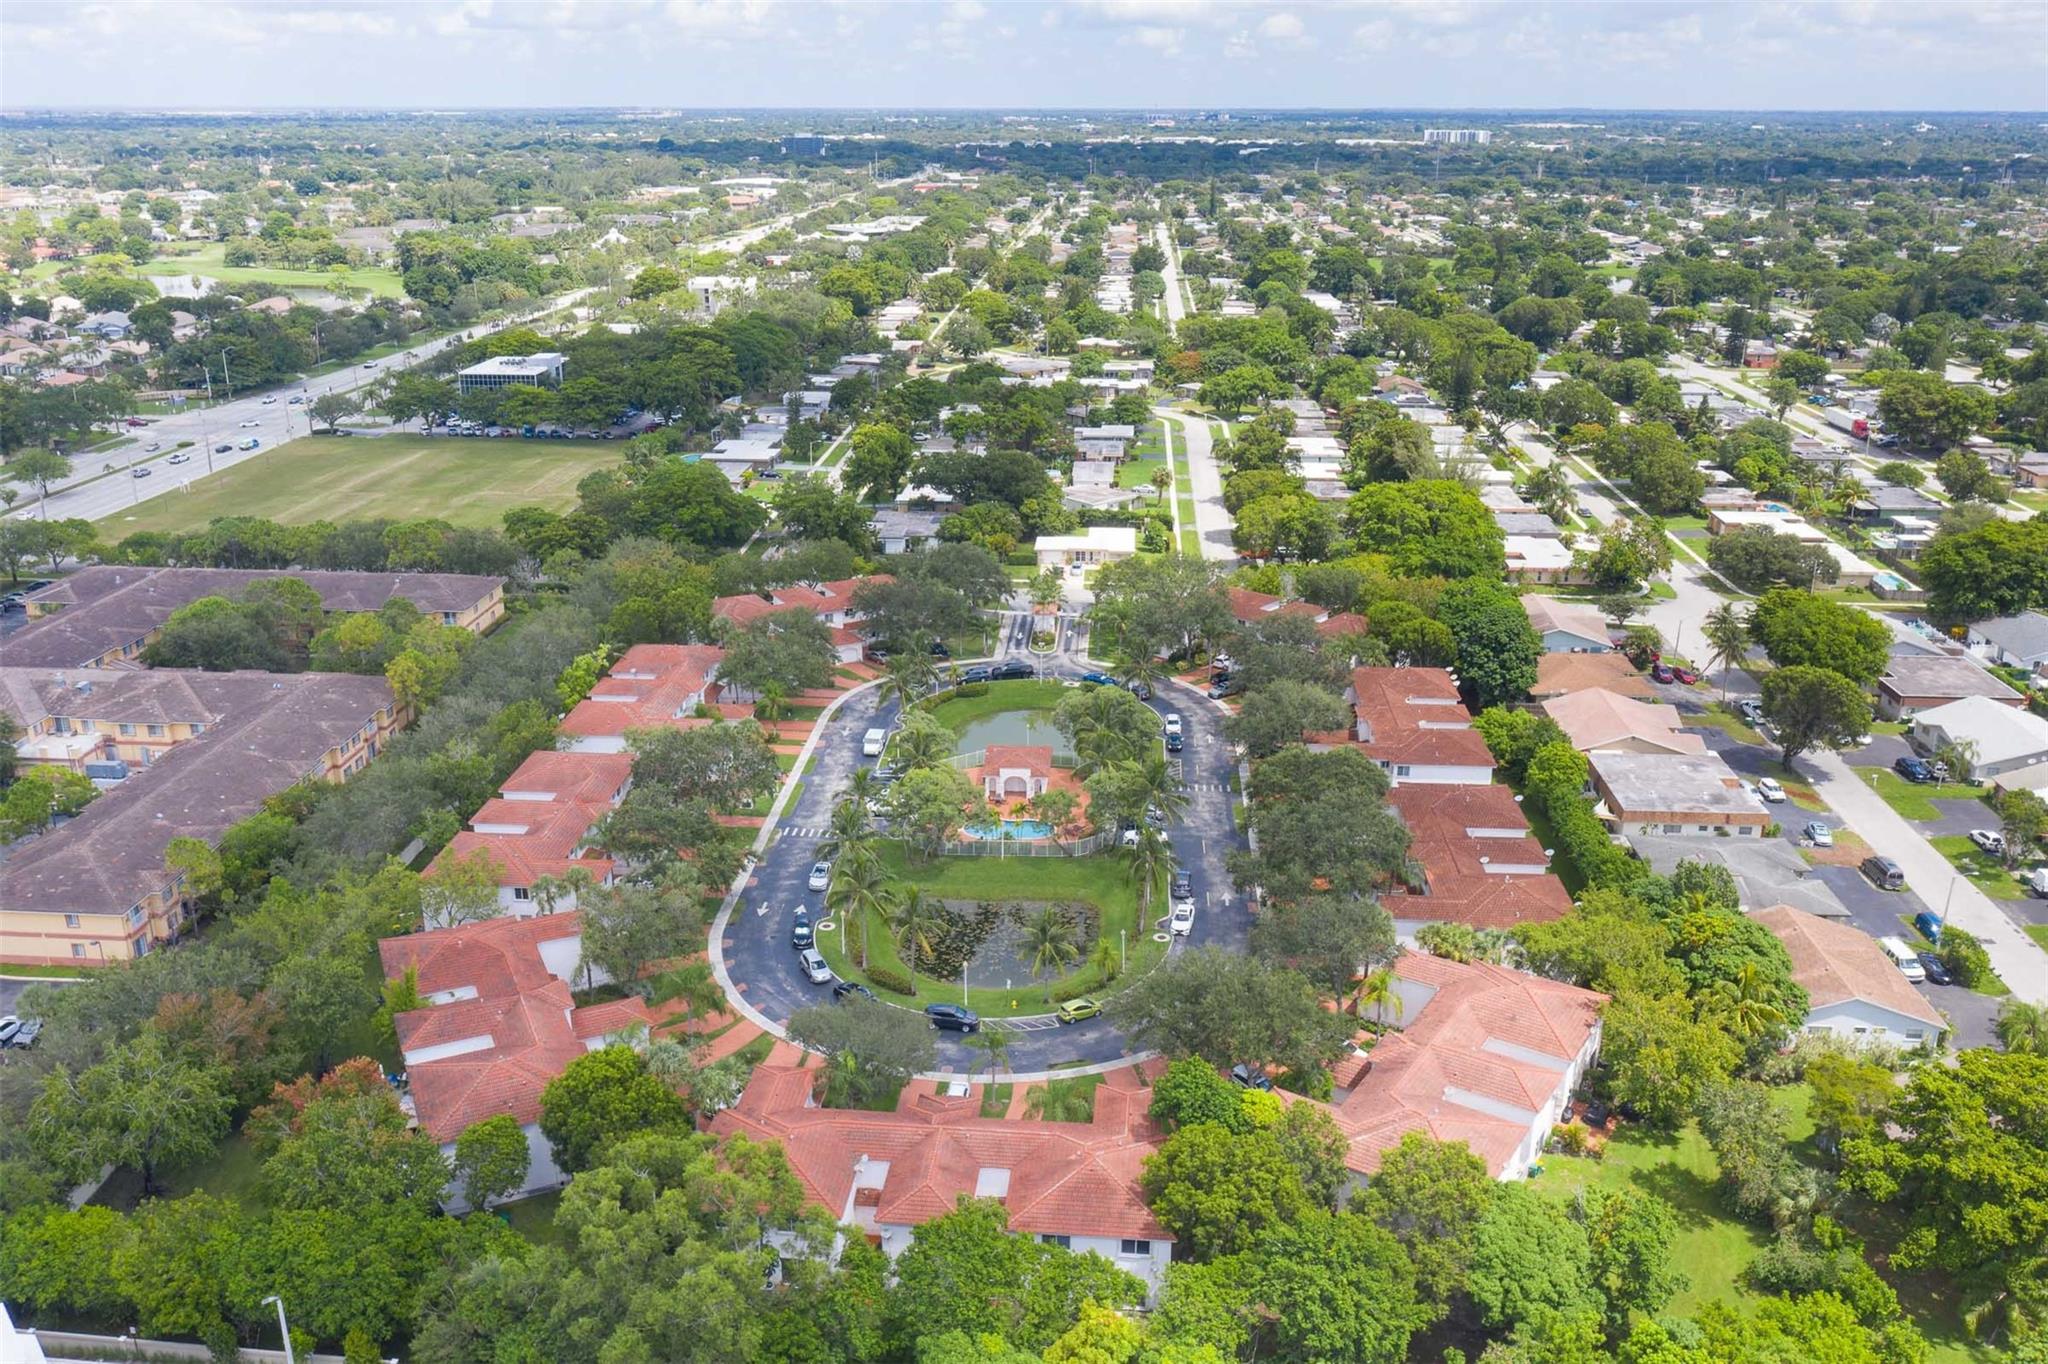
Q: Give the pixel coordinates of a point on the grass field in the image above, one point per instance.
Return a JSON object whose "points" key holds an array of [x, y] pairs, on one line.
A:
{"points": [[1986, 873], [958, 712], [1916, 800], [207, 261], [332, 478]]}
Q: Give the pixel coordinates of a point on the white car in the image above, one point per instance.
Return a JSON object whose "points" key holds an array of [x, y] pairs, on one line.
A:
{"points": [[1173, 722], [247, 424], [814, 968], [152, 447], [1770, 791], [821, 875], [180, 458], [1990, 840], [1183, 921], [270, 400]]}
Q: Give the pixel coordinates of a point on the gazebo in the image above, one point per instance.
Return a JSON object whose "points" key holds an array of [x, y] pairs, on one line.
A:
{"points": [[1015, 772]]}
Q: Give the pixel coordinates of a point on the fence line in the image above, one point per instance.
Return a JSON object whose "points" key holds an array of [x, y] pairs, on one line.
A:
{"points": [[1038, 847]]}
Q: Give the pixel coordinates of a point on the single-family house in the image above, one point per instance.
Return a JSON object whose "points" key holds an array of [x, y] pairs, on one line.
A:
{"points": [[1560, 674], [1852, 989], [2003, 739], [1600, 721], [1566, 626], [902, 530], [1767, 871], [1095, 545], [1681, 794], [2014, 641], [1913, 682], [1251, 608]]}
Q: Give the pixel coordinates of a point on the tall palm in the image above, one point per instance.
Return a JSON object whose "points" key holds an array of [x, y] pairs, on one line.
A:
{"points": [[912, 919], [848, 828], [1746, 1002], [695, 986], [1727, 641], [921, 746], [859, 888], [994, 1041], [1149, 861], [1141, 669], [1050, 940], [1162, 787], [1107, 959], [908, 676]]}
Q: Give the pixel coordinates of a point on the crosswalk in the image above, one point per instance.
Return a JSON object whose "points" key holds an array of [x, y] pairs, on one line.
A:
{"points": [[804, 831]]}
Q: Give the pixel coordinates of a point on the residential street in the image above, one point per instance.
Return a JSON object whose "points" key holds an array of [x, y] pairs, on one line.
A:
{"points": [[1213, 524]]}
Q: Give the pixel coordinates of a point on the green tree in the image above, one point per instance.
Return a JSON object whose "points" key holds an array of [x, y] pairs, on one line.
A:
{"points": [[1797, 628], [1813, 707], [1497, 647], [1430, 1196], [1280, 714], [141, 1106], [1228, 1009], [1192, 1091], [603, 1097], [1329, 939], [1218, 1192], [491, 1159], [871, 1048], [39, 469], [1528, 1256], [1428, 528], [1629, 1236], [791, 650], [1335, 1288]]}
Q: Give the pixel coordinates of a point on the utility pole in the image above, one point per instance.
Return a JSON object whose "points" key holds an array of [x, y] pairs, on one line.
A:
{"points": [[225, 379]]}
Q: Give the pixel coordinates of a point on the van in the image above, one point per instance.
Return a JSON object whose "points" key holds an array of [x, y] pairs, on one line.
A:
{"points": [[1903, 957], [2036, 880], [871, 743], [1884, 873]]}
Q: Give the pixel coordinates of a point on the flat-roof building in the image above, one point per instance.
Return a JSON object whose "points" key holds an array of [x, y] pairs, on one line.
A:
{"points": [[540, 370]]}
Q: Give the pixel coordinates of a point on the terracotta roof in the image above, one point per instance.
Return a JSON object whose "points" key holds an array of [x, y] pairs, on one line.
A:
{"points": [[1598, 718], [649, 685], [1064, 1179], [1837, 962], [818, 598], [521, 1012], [1557, 674], [1249, 607], [528, 838], [572, 776], [1479, 864], [1480, 1046], [1036, 760], [1415, 716]]}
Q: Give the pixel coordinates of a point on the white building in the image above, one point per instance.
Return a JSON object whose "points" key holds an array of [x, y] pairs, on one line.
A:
{"points": [[1095, 545]]}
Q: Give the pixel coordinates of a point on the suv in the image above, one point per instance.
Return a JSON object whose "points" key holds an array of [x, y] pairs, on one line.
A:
{"points": [[1990, 840], [1004, 672], [953, 1017], [1884, 873], [1183, 886], [1914, 769]]}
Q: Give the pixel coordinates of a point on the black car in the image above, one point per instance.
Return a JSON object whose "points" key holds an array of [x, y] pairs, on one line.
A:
{"points": [[940, 649], [1596, 1114], [974, 675], [1937, 972], [800, 935], [1174, 743], [1914, 769], [1183, 886], [953, 1017], [1004, 672], [843, 989]]}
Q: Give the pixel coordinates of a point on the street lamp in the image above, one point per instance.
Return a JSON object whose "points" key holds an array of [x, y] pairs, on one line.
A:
{"points": [[284, 1328], [225, 378]]}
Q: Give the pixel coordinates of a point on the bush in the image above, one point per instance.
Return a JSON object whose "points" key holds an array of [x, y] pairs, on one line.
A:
{"points": [[1314, 1082], [890, 979], [1073, 989], [1570, 1138], [971, 689], [1963, 955], [183, 445]]}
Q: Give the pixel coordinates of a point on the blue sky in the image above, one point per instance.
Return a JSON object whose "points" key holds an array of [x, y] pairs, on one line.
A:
{"points": [[1631, 54]]}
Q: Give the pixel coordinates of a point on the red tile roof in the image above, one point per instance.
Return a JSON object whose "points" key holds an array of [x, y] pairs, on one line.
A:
{"points": [[521, 1011], [649, 685], [1064, 1179], [1035, 760], [1479, 864], [1250, 607], [529, 838], [818, 598], [1415, 716]]}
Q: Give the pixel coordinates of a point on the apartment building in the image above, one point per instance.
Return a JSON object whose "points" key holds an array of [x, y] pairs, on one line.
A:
{"points": [[96, 888], [1472, 860], [1412, 722], [830, 602], [651, 686], [539, 824], [106, 615]]}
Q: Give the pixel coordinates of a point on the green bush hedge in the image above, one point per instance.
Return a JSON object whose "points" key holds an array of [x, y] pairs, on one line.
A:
{"points": [[890, 979]]}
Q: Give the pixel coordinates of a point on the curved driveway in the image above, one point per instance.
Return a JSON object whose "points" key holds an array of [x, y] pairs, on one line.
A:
{"points": [[752, 938]]}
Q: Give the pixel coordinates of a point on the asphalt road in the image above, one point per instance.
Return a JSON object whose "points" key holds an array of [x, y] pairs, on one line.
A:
{"points": [[755, 948], [1214, 525]]}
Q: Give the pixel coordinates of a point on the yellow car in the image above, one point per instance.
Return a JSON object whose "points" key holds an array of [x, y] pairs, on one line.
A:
{"points": [[1074, 1010]]}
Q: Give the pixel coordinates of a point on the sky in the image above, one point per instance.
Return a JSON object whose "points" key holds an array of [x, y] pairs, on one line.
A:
{"points": [[1343, 54]]}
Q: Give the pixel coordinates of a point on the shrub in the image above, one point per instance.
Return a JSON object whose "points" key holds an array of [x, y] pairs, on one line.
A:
{"points": [[1313, 1082], [1962, 954], [971, 689], [890, 979], [1570, 1138]]}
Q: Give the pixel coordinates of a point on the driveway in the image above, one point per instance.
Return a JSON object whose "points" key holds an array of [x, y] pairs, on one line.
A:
{"points": [[754, 948]]}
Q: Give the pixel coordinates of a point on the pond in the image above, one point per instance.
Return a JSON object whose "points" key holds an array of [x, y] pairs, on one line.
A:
{"points": [[1011, 727], [988, 942]]}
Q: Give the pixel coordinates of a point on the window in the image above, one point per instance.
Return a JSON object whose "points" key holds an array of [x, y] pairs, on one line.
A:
{"points": [[1403, 770], [127, 731], [447, 617], [1063, 1242], [156, 731], [521, 893], [78, 949], [71, 921], [1674, 828], [1131, 1247], [197, 729]]}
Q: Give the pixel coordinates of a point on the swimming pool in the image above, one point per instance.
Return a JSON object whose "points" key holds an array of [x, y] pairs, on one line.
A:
{"points": [[1017, 829]]}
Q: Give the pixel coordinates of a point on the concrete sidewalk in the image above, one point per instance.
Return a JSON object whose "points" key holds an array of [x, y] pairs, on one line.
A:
{"points": [[2018, 959]]}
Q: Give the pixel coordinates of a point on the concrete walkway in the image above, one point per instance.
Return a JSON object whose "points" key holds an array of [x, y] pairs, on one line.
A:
{"points": [[2017, 958], [1214, 525]]}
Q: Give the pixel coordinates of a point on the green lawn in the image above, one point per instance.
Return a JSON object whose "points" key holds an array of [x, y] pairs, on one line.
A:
{"points": [[230, 1172], [958, 712], [332, 478], [1916, 800], [1099, 881], [534, 1218], [207, 261], [995, 1100], [1072, 1099], [2039, 933], [1722, 716], [1986, 873]]}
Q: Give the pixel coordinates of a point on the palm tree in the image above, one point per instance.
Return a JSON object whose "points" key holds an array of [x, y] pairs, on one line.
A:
{"points": [[1143, 669], [1050, 940], [1162, 479], [1108, 961], [1162, 788], [908, 676], [858, 888], [922, 746], [994, 1041], [849, 826], [2023, 1027], [1061, 1101], [912, 919], [1746, 998], [860, 788], [694, 984], [1727, 641], [1377, 993], [1151, 859]]}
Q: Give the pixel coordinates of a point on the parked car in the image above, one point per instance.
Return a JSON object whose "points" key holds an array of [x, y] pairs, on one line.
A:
{"points": [[1099, 679], [1004, 672], [974, 675], [1229, 687], [821, 875], [1661, 672], [1884, 873], [1990, 840], [814, 968], [1183, 921], [9, 1026], [1928, 926], [940, 649], [1820, 835], [842, 989], [26, 1035], [1183, 886], [137, 421], [1768, 789], [1914, 769], [953, 1017], [800, 935], [1173, 722], [1074, 1010], [1684, 674], [1249, 1077], [1937, 974], [1752, 711]]}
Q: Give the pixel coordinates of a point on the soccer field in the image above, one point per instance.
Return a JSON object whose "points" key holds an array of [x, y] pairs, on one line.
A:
{"points": [[468, 482]]}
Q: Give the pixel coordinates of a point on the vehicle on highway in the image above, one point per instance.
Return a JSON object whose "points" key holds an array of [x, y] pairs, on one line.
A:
{"points": [[1074, 1010], [247, 424], [223, 449], [269, 400], [1914, 769], [1935, 969], [1903, 957], [296, 399], [250, 444], [1990, 840], [953, 1017], [1183, 921], [26, 1035], [800, 935], [821, 875], [814, 968], [844, 989], [1884, 873], [1768, 790], [152, 447], [143, 472], [1820, 835], [180, 458]]}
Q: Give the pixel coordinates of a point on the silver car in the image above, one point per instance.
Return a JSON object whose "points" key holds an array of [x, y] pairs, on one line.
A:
{"points": [[814, 967], [821, 875]]}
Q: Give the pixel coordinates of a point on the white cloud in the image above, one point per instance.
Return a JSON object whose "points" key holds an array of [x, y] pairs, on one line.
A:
{"points": [[1165, 41], [1281, 28]]}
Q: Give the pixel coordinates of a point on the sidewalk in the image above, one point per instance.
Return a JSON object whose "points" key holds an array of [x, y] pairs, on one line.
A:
{"points": [[2019, 961]]}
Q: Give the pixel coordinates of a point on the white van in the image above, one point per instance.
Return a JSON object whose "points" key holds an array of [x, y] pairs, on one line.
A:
{"points": [[2036, 880], [1903, 957], [871, 743]]}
